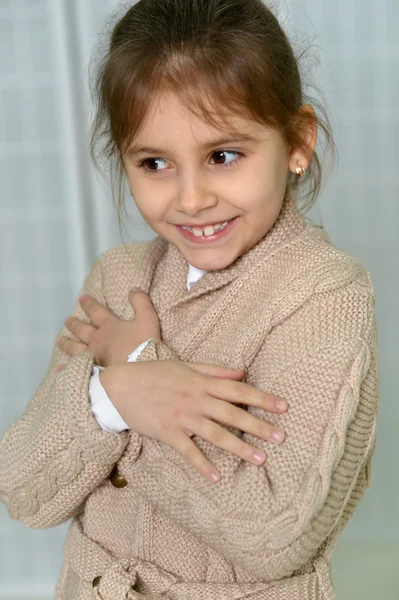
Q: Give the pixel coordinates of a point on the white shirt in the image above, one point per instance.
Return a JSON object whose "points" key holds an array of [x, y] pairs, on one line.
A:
{"points": [[102, 407]]}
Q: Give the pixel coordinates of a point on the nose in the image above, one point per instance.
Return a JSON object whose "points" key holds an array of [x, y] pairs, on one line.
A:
{"points": [[194, 198]]}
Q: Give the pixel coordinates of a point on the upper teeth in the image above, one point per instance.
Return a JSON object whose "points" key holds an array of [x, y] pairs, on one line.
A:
{"points": [[207, 231]]}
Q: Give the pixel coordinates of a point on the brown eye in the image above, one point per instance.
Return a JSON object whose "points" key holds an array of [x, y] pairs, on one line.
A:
{"points": [[152, 161], [220, 153]]}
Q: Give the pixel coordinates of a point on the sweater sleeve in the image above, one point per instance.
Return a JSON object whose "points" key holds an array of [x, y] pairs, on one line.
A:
{"points": [[271, 519], [55, 454]]}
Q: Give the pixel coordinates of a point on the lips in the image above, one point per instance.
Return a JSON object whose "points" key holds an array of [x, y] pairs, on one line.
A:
{"points": [[206, 224], [211, 227], [206, 239]]}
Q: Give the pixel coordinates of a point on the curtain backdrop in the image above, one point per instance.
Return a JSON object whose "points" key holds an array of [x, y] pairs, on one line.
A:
{"points": [[56, 216]]}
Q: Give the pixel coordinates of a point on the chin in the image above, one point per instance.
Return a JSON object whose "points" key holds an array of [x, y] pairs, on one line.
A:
{"points": [[211, 265], [207, 258]]}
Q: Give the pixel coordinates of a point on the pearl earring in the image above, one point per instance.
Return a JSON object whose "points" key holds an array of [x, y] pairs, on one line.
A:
{"points": [[300, 170]]}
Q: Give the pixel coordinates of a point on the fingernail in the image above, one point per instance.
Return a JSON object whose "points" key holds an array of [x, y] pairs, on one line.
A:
{"points": [[278, 436], [258, 456], [214, 476], [281, 405]]}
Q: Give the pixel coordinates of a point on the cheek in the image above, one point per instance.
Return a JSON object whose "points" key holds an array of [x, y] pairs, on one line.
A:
{"points": [[151, 206], [259, 179], [144, 197], [267, 186], [149, 210]]}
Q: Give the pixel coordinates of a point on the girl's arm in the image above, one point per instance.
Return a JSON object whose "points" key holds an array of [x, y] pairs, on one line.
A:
{"points": [[271, 519], [56, 454]]}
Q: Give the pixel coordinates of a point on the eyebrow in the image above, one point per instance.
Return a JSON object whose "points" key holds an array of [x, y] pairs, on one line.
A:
{"points": [[136, 149]]}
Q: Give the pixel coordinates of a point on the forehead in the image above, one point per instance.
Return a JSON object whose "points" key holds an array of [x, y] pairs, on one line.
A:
{"points": [[168, 117]]}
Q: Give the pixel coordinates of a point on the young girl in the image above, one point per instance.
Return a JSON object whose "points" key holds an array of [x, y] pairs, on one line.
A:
{"points": [[201, 104]]}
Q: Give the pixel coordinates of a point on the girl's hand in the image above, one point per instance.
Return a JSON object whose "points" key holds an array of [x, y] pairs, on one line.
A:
{"points": [[110, 338], [170, 401]]}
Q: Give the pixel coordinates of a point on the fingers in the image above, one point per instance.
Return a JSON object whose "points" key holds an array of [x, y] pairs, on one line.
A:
{"points": [[97, 312], [216, 371], [214, 433], [193, 455], [83, 331], [233, 416], [71, 347], [141, 301], [242, 393]]}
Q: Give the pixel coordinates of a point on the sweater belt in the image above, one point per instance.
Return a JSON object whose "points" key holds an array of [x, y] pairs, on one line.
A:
{"points": [[120, 578]]}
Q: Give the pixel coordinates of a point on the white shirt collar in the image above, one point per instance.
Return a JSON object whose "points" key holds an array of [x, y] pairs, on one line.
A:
{"points": [[193, 275]]}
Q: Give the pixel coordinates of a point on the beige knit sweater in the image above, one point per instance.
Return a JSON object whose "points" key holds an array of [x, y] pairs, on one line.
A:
{"points": [[299, 315]]}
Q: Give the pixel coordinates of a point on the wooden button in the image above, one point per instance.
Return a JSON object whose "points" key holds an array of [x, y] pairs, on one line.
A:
{"points": [[117, 479]]}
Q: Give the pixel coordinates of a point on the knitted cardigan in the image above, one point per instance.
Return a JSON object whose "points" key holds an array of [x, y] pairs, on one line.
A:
{"points": [[298, 315]]}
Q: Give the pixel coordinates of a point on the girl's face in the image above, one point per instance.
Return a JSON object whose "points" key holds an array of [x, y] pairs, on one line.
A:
{"points": [[180, 173]]}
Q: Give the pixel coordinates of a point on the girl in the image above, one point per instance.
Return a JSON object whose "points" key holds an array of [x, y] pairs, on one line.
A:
{"points": [[201, 104]]}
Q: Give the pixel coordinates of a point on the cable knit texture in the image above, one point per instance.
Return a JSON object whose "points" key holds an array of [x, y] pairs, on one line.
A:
{"points": [[298, 315]]}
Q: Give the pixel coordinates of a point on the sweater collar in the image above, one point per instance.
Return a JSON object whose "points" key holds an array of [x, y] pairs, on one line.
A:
{"points": [[173, 283]]}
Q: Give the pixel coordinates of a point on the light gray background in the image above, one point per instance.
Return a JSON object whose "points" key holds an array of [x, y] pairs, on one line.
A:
{"points": [[55, 218]]}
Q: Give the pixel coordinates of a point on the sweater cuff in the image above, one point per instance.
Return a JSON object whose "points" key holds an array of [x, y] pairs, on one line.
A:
{"points": [[134, 355], [156, 350], [96, 444]]}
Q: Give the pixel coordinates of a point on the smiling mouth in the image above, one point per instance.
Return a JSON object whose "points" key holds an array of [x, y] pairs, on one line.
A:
{"points": [[208, 229], [207, 233]]}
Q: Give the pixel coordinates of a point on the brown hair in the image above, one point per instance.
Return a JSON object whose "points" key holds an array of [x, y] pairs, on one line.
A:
{"points": [[217, 55]]}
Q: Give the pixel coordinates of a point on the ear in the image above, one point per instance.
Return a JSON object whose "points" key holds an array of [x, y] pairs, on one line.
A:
{"points": [[309, 136]]}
